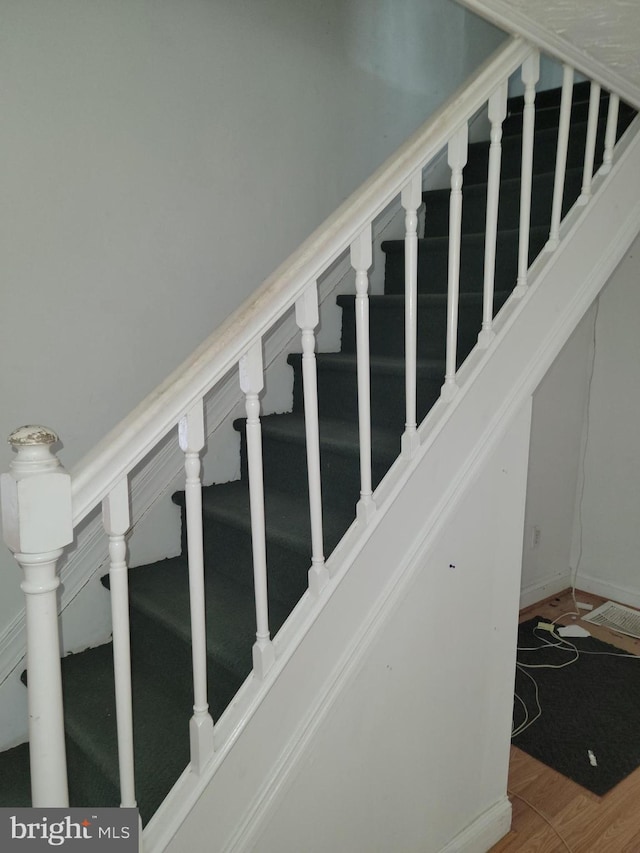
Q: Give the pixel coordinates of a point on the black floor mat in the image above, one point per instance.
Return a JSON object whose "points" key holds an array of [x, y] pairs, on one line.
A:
{"points": [[589, 725]]}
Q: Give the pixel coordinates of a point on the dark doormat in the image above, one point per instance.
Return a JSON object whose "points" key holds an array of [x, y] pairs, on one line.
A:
{"points": [[588, 712]]}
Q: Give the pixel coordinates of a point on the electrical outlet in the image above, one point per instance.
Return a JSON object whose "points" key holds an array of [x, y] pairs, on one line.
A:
{"points": [[536, 535]]}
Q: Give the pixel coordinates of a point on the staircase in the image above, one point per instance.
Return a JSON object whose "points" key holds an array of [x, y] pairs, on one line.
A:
{"points": [[161, 654]]}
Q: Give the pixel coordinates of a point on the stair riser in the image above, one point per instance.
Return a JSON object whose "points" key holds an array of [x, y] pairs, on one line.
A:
{"points": [[88, 786], [433, 263], [228, 551], [547, 117], [176, 673], [545, 149], [337, 392], [387, 328], [285, 469], [474, 212]]}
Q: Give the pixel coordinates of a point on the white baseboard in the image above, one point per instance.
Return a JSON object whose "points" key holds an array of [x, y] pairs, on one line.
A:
{"points": [[484, 832], [543, 589], [613, 591]]}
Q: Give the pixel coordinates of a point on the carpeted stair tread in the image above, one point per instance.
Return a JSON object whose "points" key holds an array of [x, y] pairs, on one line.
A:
{"points": [[395, 301], [338, 435], [287, 521], [90, 722], [15, 779], [548, 109], [545, 149], [382, 365], [433, 261], [161, 592], [440, 243], [550, 98], [387, 322], [474, 203]]}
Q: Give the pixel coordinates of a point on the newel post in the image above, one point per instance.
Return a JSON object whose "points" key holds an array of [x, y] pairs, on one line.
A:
{"points": [[37, 524]]}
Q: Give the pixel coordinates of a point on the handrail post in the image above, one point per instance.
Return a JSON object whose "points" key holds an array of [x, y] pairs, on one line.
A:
{"points": [[37, 525], [610, 134], [530, 76], [251, 384], [191, 437], [590, 147], [561, 157], [361, 259], [457, 153], [411, 198], [497, 112], [307, 318], [116, 519]]}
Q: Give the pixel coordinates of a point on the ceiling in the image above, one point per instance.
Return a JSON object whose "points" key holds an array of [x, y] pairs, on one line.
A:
{"points": [[600, 39]]}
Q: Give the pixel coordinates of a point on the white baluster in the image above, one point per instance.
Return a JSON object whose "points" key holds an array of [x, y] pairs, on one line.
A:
{"points": [[192, 439], [307, 319], [361, 258], [497, 114], [561, 157], [37, 524], [590, 146], [411, 198], [530, 76], [610, 133], [116, 520], [251, 383], [457, 159]]}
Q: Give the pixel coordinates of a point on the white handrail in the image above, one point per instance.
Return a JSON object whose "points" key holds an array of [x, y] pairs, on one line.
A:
{"points": [[132, 439]]}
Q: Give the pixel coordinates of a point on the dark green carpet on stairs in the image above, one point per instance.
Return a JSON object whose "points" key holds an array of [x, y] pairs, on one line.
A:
{"points": [[160, 632]]}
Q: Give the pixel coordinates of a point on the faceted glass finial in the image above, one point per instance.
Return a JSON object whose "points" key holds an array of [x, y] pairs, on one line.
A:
{"points": [[32, 435]]}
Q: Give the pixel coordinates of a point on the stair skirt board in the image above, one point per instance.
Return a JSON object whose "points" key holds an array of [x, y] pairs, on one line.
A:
{"points": [[596, 237]]}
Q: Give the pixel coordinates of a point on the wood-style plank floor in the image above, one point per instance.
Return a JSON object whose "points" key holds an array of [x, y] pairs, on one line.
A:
{"points": [[588, 823]]}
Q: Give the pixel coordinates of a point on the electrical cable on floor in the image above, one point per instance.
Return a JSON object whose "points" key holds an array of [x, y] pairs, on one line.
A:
{"points": [[524, 725], [542, 815], [564, 645]]}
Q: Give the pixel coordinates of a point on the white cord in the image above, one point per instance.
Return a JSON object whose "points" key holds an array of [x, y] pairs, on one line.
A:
{"points": [[528, 721], [543, 816], [564, 645], [574, 574]]}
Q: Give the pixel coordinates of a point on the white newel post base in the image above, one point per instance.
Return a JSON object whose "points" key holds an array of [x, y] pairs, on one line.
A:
{"points": [[37, 524]]}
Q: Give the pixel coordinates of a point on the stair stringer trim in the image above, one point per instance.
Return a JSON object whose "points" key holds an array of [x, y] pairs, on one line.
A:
{"points": [[455, 438]]}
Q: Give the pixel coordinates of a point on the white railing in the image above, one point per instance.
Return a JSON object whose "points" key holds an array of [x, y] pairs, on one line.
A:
{"points": [[42, 504]]}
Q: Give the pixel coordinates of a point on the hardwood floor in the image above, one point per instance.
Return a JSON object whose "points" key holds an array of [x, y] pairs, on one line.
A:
{"points": [[586, 822]]}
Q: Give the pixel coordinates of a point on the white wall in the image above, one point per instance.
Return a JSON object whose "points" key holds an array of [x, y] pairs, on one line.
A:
{"points": [[583, 490], [161, 158], [559, 409], [608, 529]]}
